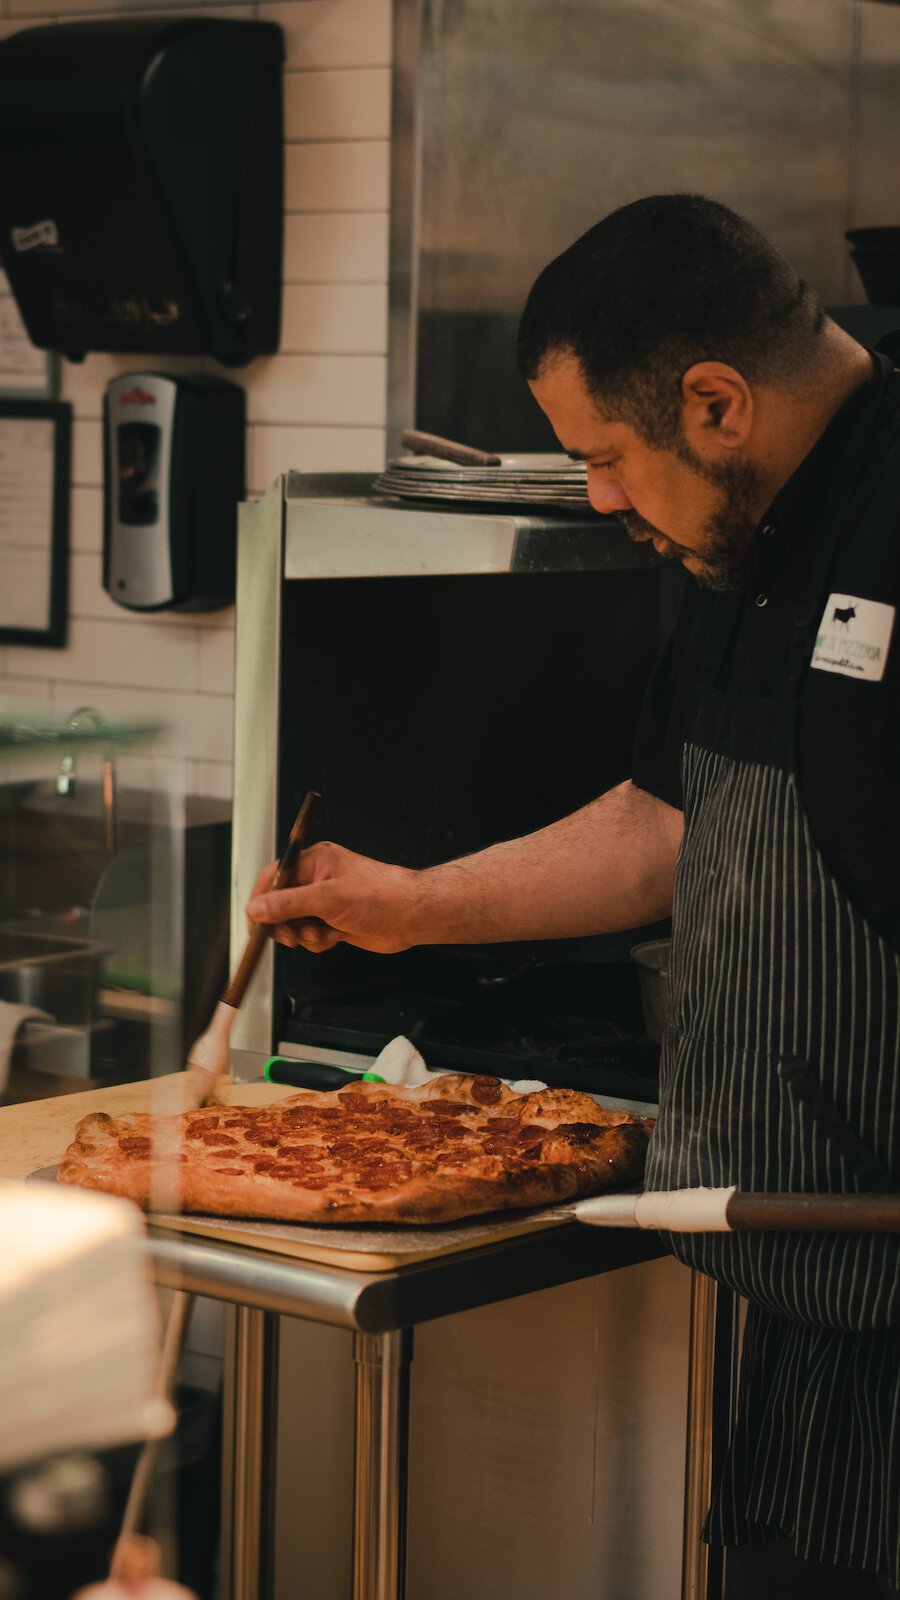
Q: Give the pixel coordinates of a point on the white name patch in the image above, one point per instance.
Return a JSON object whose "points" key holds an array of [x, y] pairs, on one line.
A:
{"points": [[853, 638]]}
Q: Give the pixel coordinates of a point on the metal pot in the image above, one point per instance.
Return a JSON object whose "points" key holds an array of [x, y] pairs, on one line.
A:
{"points": [[653, 976]]}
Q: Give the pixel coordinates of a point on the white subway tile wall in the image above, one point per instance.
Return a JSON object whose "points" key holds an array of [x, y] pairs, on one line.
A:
{"points": [[318, 405]]}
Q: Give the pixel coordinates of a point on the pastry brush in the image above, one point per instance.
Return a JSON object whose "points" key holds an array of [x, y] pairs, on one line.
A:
{"points": [[208, 1057]]}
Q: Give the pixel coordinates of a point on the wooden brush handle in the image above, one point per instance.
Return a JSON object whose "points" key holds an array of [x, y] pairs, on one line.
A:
{"points": [[237, 986]]}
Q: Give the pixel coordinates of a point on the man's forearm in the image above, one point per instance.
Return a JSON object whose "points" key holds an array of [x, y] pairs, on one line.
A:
{"points": [[610, 865]]}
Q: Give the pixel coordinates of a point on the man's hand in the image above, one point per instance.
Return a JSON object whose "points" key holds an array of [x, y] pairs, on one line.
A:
{"points": [[610, 865], [340, 897]]}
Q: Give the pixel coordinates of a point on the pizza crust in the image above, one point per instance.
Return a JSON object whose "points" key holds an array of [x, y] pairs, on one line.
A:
{"points": [[541, 1148]]}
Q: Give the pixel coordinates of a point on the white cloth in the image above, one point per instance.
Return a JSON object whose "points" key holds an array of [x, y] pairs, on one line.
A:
{"points": [[12, 1018], [400, 1062]]}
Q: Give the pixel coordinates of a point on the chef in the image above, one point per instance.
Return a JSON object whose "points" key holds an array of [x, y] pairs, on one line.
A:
{"points": [[725, 417]]}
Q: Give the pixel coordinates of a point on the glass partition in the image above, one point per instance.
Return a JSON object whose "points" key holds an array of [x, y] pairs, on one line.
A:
{"points": [[92, 841]]}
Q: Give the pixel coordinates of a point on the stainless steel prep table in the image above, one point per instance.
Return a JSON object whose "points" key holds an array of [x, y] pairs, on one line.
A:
{"points": [[381, 1309]]}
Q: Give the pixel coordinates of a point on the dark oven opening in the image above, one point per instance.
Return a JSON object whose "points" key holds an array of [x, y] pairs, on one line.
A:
{"points": [[437, 716]]}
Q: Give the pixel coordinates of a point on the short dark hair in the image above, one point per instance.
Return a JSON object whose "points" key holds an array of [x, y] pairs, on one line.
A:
{"points": [[657, 286]]}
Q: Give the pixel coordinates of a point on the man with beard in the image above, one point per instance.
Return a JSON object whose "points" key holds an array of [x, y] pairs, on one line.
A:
{"points": [[724, 416]]}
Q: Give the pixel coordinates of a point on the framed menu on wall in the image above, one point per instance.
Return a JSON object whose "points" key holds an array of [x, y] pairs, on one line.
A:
{"points": [[24, 370], [35, 447]]}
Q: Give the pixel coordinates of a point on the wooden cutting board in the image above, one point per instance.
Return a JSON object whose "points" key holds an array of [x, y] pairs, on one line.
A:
{"points": [[368, 1249], [33, 1138]]}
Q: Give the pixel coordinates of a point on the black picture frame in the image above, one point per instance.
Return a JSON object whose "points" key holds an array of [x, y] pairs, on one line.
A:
{"points": [[53, 633]]}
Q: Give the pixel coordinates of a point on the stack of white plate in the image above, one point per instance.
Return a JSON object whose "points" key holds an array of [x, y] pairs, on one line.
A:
{"points": [[547, 481]]}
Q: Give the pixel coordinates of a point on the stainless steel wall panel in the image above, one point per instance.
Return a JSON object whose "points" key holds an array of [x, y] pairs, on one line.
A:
{"points": [[533, 120], [256, 694], [875, 183]]}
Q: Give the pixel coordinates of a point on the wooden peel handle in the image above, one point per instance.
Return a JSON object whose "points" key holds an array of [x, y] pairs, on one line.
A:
{"points": [[826, 1213], [464, 455], [237, 986]]}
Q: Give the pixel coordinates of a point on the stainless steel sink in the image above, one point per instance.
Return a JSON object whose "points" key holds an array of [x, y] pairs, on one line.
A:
{"points": [[56, 974], [60, 977]]}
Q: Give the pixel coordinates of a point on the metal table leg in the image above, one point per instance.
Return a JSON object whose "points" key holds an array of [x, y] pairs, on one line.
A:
{"points": [[246, 1507], [380, 1466], [698, 1452], [712, 1391]]}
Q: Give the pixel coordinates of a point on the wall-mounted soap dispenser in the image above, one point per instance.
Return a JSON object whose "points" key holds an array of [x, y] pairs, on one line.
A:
{"points": [[140, 185], [174, 474]]}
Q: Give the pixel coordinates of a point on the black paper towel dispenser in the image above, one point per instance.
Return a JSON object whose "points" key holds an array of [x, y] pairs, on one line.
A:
{"points": [[140, 185]]}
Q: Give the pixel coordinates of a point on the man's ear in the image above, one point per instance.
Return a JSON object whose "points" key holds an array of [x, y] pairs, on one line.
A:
{"points": [[717, 409]]}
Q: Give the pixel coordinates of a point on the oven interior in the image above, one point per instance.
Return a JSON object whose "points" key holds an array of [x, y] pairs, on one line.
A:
{"points": [[437, 716]]}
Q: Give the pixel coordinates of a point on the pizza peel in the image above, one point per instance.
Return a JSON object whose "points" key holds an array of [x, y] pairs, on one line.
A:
{"points": [[208, 1058], [730, 1210]]}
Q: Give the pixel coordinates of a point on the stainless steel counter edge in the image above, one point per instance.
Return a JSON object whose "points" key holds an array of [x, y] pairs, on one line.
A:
{"points": [[378, 1302], [335, 528]]}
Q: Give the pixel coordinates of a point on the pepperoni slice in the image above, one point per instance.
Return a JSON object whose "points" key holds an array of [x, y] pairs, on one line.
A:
{"points": [[134, 1144], [359, 1104], [486, 1091], [447, 1108], [230, 1172]]}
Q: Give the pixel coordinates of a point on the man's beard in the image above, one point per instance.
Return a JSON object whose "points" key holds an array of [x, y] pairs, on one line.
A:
{"points": [[724, 558]]}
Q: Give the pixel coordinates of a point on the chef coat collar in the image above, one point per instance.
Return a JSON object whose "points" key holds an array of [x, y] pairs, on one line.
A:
{"points": [[795, 512]]}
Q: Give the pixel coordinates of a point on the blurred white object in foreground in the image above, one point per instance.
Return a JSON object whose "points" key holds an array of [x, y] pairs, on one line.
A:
{"points": [[79, 1326]]}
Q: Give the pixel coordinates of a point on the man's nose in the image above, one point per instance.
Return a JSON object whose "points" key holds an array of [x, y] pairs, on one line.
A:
{"points": [[606, 495]]}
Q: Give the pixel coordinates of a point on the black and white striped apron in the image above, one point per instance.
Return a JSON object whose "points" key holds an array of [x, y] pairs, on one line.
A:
{"points": [[781, 1071]]}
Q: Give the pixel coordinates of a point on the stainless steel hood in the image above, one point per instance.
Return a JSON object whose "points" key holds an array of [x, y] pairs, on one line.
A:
{"points": [[519, 123]]}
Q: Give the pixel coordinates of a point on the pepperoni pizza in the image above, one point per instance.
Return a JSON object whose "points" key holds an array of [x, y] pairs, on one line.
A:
{"points": [[454, 1147]]}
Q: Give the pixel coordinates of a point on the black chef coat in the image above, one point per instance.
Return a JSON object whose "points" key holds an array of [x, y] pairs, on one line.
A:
{"points": [[848, 734], [779, 1061]]}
